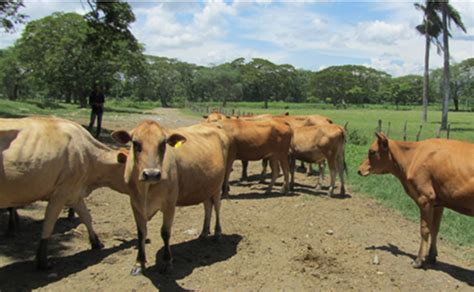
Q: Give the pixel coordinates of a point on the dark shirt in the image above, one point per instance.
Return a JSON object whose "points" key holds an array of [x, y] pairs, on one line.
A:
{"points": [[96, 97]]}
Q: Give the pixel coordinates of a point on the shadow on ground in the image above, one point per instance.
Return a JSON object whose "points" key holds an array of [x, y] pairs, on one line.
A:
{"points": [[458, 273], [190, 255], [23, 275]]}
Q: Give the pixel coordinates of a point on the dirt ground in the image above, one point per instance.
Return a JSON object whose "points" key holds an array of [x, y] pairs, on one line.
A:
{"points": [[302, 241]]}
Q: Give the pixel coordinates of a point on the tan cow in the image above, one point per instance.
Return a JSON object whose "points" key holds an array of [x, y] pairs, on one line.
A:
{"points": [[256, 140], [315, 144], [56, 160], [168, 168], [435, 173]]}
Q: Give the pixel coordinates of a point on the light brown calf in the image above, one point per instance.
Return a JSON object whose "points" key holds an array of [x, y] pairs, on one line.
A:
{"points": [[59, 161], [168, 168], [315, 144], [435, 173]]}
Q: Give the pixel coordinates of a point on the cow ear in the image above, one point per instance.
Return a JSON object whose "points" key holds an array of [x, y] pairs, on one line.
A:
{"points": [[122, 156], [382, 140], [176, 140], [121, 136], [205, 117]]}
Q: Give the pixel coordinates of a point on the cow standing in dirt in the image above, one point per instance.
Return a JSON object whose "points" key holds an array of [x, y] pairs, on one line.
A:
{"points": [[59, 161], [168, 168], [435, 173], [256, 140], [314, 144]]}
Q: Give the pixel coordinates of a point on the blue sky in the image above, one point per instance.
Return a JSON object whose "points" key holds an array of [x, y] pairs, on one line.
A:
{"points": [[307, 34]]}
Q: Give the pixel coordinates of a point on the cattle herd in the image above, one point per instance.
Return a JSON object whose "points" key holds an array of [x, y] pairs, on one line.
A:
{"points": [[53, 159]]}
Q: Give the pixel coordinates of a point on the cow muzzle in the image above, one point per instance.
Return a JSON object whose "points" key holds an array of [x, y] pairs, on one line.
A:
{"points": [[150, 175]]}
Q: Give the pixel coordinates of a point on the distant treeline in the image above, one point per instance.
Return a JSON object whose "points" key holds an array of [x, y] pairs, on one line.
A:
{"points": [[57, 58]]}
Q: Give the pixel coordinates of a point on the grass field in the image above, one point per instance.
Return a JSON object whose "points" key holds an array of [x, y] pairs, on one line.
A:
{"points": [[362, 124]]}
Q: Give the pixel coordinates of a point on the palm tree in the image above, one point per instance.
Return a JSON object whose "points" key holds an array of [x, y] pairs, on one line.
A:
{"points": [[449, 14], [431, 29]]}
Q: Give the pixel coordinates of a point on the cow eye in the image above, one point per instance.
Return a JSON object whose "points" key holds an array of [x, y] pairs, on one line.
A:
{"points": [[137, 146]]}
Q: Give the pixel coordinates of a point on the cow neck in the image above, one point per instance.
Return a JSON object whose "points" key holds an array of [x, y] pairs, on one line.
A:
{"points": [[105, 169], [402, 154]]}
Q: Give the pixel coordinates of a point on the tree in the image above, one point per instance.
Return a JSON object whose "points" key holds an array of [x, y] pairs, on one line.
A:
{"points": [[431, 29], [11, 74], [449, 14], [9, 15]]}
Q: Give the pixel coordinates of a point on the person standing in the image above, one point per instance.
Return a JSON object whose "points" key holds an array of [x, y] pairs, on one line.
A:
{"points": [[96, 101]]}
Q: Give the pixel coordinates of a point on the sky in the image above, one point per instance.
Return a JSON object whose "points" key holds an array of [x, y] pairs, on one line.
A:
{"points": [[310, 35]]}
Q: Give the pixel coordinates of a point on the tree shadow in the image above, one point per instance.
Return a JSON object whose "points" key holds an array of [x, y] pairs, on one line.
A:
{"points": [[458, 273], [190, 255], [5, 114], [24, 276]]}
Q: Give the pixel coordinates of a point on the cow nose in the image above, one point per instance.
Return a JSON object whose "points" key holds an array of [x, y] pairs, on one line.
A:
{"points": [[151, 174], [359, 172]]}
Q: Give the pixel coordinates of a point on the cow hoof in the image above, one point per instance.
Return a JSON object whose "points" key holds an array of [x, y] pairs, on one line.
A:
{"points": [[431, 260], [136, 271], [166, 268], [417, 264], [217, 237], [96, 244], [43, 266], [203, 236]]}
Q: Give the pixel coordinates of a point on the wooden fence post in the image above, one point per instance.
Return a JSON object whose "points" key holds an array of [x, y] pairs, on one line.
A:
{"points": [[419, 133], [438, 133], [379, 129], [405, 131], [388, 130]]}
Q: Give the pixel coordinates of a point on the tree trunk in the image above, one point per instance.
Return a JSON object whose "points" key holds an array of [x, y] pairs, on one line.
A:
{"points": [[426, 80], [444, 117], [164, 102], [14, 93], [224, 102], [265, 105]]}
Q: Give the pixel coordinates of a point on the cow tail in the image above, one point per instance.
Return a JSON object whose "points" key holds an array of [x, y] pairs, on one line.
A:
{"points": [[346, 170]]}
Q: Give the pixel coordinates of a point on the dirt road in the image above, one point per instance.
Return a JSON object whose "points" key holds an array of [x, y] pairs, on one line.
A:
{"points": [[303, 241]]}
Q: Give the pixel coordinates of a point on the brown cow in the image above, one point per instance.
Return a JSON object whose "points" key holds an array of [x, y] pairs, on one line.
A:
{"points": [[435, 173], [59, 161], [315, 144], [162, 174], [255, 140]]}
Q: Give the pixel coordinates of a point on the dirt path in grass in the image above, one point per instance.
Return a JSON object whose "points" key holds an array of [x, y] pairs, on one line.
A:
{"points": [[304, 241]]}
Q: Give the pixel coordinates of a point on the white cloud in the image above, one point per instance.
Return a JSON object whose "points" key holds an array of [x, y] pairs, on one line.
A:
{"points": [[381, 32]]}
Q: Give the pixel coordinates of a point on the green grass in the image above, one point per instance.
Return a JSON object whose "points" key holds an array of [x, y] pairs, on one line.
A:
{"points": [[363, 122], [16, 109]]}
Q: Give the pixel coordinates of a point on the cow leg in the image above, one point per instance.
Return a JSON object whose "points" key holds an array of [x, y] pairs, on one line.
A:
{"points": [[340, 170], [168, 216], [245, 165], [275, 169], [225, 184], [302, 168], [284, 162], [433, 253], [51, 216], [426, 225], [207, 218], [85, 216], [292, 172], [141, 222], [320, 180], [264, 170], [321, 166], [216, 201], [310, 169], [70, 214], [332, 171], [13, 222]]}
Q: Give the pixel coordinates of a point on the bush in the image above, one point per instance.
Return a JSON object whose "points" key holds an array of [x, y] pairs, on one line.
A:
{"points": [[357, 138]]}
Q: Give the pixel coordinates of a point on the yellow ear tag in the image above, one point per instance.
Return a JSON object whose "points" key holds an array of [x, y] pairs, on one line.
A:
{"points": [[178, 144]]}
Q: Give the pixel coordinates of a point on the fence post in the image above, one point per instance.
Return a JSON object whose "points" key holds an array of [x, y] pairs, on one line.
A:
{"points": [[388, 130], [405, 131], [438, 133], [419, 133], [447, 133], [379, 127]]}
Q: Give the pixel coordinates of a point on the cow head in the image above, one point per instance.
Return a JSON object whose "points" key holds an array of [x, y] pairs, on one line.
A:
{"points": [[215, 116], [379, 158], [149, 147]]}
